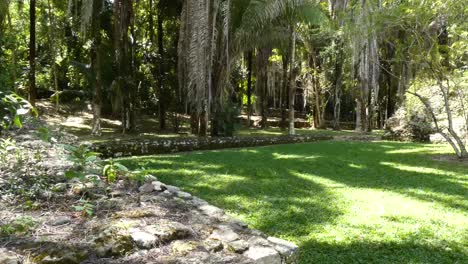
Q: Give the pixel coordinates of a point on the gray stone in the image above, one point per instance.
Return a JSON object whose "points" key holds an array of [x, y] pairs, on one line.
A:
{"points": [[143, 239], [117, 193], [183, 247], [263, 255], [285, 248], [67, 259], [8, 257], [61, 220], [213, 245], [211, 210], [167, 193], [225, 234], [258, 241], [184, 195], [146, 188], [169, 231], [159, 186], [198, 202], [238, 246], [172, 189]]}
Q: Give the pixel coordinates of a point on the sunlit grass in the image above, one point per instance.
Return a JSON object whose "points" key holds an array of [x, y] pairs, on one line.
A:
{"points": [[341, 202]]}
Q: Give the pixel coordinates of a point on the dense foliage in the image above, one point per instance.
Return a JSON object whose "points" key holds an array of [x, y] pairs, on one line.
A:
{"points": [[338, 61]]}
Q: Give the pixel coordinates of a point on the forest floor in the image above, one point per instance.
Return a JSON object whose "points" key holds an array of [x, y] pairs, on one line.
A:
{"points": [[341, 202], [79, 123]]}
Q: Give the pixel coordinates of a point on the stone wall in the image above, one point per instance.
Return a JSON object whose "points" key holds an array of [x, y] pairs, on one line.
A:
{"points": [[141, 147]]}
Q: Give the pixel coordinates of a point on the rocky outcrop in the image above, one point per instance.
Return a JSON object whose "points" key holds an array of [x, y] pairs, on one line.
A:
{"points": [[141, 147], [155, 223]]}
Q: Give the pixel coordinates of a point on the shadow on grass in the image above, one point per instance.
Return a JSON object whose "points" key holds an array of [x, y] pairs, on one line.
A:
{"points": [[382, 253], [289, 190]]}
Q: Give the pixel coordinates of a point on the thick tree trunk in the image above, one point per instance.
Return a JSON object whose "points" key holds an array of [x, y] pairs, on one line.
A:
{"points": [[292, 83], [32, 52]]}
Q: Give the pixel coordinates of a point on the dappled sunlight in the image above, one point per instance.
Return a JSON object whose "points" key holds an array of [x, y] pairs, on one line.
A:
{"points": [[419, 169], [345, 193], [292, 156]]}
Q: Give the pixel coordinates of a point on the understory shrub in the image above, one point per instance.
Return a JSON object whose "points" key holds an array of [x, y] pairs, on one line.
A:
{"points": [[12, 110], [409, 126]]}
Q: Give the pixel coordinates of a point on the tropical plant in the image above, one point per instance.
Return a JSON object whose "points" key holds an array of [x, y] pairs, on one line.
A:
{"points": [[13, 108], [114, 170], [84, 208]]}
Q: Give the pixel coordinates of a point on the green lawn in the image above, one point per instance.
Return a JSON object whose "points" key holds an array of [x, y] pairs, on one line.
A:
{"points": [[341, 202]]}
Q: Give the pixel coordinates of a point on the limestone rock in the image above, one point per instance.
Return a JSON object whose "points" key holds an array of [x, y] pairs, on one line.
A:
{"points": [[170, 231], [224, 234], [67, 259], [285, 248], [263, 255], [159, 186], [238, 246], [213, 245], [143, 239], [258, 241], [61, 220], [114, 241], [172, 189], [8, 257], [198, 202], [181, 248], [211, 210], [146, 188], [184, 195]]}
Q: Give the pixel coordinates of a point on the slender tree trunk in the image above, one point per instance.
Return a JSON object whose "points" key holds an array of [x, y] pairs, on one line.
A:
{"points": [[263, 55], [162, 91], [249, 86], [32, 52], [13, 54], [53, 53], [284, 92], [96, 66], [292, 82], [358, 115]]}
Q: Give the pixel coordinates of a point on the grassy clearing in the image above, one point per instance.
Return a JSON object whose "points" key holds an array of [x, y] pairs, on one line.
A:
{"points": [[342, 202]]}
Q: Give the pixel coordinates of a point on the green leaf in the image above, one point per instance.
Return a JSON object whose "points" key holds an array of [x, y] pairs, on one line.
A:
{"points": [[17, 121]]}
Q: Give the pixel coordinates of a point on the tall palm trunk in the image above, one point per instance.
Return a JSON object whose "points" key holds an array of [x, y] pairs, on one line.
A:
{"points": [[32, 52], [292, 82]]}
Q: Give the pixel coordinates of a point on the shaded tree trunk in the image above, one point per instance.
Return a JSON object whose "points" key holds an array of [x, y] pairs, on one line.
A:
{"points": [[161, 89], [32, 52], [263, 55], [249, 86], [284, 93], [96, 66], [292, 82]]}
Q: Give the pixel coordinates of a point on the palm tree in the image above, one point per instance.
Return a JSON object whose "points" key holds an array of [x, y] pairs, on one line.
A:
{"points": [[263, 20]]}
